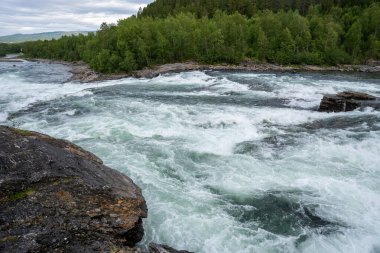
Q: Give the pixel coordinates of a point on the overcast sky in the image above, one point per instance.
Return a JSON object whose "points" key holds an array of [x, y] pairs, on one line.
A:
{"points": [[35, 16]]}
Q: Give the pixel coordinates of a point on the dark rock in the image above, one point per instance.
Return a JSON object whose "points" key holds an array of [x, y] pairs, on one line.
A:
{"points": [[356, 96], [153, 248], [157, 248], [347, 101], [55, 196]]}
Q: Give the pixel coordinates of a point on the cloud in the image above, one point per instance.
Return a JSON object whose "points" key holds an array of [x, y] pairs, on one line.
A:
{"points": [[34, 16]]}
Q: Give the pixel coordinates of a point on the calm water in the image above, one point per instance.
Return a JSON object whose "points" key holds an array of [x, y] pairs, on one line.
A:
{"points": [[228, 162]]}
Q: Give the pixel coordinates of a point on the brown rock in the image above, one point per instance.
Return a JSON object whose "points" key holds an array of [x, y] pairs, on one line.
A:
{"points": [[347, 101], [157, 248], [55, 196], [355, 96]]}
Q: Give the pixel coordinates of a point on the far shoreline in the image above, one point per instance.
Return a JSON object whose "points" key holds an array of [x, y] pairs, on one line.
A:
{"points": [[81, 71]]}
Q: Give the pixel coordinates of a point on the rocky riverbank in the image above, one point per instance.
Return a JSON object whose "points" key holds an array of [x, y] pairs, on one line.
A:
{"points": [[249, 66], [55, 196], [83, 73]]}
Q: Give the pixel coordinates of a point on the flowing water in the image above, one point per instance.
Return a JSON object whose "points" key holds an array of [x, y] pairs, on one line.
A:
{"points": [[228, 161]]}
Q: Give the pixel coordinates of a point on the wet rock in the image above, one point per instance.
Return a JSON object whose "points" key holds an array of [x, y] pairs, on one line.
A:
{"points": [[347, 101], [83, 73], [157, 248], [153, 248], [268, 146], [363, 122], [55, 196]]}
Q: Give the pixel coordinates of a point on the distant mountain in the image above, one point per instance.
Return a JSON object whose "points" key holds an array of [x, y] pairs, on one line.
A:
{"points": [[16, 38]]}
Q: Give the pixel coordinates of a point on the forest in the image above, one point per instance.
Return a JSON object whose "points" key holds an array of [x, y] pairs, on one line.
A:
{"points": [[9, 49], [164, 8], [166, 31]]}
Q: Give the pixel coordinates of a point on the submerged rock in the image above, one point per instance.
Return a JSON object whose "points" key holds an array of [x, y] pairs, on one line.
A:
{"points": [[55, 196], [347, 101], [279, 213], [283, 213]]}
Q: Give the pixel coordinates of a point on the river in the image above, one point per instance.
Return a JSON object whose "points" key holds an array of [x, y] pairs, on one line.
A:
{"points": [[227, 161]]}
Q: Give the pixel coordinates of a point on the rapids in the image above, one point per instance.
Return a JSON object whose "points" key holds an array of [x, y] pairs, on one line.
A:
{"points": [[227, 161]]}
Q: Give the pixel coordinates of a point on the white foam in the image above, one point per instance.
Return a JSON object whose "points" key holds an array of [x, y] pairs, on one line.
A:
{"points": [[177, 152], [19, 94], [196, 78]]}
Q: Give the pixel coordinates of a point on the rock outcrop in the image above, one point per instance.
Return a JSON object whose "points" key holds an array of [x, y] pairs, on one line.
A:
{"points": [[57, 197], [347, 101], [83, 73], [157, 248]]}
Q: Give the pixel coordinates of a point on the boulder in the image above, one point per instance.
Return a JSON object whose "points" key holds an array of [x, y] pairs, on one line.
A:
{"points": [[57, 197], [347, 101]]}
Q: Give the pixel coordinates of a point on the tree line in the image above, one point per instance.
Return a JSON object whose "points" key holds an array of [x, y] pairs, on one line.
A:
{"points": [[9, 49], [164, 8], [341, 35]]}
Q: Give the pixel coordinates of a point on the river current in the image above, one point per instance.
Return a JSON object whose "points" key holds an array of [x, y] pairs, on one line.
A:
{"points": [[227, 161]]}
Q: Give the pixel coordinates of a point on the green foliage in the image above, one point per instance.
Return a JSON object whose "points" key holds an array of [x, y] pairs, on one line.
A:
{"points": [[9, 49], [220, 31], [200, 8]]}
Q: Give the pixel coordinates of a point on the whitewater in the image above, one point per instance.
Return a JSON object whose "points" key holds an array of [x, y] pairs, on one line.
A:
{"points": [[227, 161]]}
